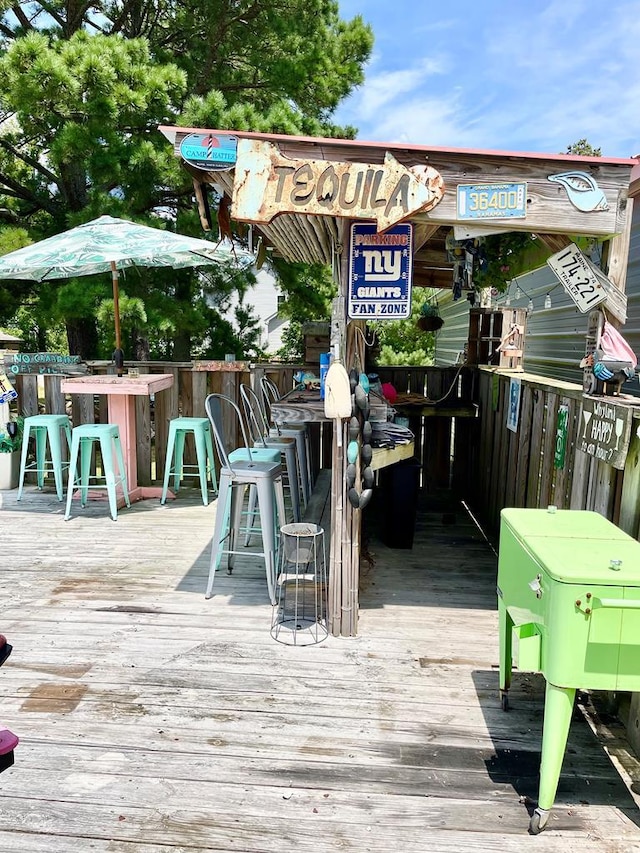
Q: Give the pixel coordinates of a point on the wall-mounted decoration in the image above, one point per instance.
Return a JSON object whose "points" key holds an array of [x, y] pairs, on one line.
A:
{"points": [[492, 201], [268, 183], [587, 285], [209, 151], [605, 431], [582, 190], [562, 424], [513, 412], [380, 272]]}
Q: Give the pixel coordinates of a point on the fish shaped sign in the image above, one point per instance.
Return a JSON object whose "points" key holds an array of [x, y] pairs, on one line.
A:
{"points": [[268, 183]]}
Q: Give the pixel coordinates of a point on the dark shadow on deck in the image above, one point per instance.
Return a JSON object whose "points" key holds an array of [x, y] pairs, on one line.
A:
{"points": [[447, 542]]}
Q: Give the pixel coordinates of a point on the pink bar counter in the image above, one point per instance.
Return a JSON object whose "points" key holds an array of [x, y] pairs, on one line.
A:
{"points": [[121, 392]]}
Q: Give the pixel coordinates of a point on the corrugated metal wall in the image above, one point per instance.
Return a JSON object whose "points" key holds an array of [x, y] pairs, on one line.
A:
{"points": [[555, 339]]}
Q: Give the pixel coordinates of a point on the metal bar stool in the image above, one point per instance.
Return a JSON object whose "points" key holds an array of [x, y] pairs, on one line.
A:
{"points": [[299, 432], [201, 431], [82, 440], [300, 613], [259, 431], [45, 428], [235, 476]]}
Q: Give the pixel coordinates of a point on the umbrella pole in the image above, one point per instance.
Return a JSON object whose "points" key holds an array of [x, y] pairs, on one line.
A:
{"points": [[118, 354]]}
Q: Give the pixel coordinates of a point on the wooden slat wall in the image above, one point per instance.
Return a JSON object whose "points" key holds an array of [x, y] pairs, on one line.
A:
{"points": [[517, 469]]}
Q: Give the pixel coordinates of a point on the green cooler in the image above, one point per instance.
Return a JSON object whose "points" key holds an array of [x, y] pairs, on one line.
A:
{"points": [[569, 589]]}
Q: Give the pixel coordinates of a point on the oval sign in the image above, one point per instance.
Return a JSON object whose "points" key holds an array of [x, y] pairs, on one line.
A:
{"points": [[209, 151]]}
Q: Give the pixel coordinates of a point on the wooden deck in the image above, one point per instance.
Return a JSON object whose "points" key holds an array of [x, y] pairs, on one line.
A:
{"points": [[154, 721]]}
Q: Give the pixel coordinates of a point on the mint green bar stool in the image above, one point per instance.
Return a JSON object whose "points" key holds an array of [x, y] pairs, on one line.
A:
{"points": [[83, 438], [201, 430], [45, 428]]}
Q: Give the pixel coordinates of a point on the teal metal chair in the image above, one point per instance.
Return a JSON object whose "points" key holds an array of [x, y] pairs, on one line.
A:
{"points": [[248, 467], [45, 429], [83, 439], [175, 466]]}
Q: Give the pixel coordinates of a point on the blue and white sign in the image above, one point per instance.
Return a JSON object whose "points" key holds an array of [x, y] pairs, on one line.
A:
{"points": [[380, 272], [492, 201], [209, 151]]}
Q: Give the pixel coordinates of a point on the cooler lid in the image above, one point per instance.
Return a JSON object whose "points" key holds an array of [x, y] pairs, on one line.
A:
{"points": [[612, 562], [572, 523]]}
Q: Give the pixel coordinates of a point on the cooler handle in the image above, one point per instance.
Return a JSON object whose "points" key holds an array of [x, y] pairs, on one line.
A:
{"points": [[621, 603]]}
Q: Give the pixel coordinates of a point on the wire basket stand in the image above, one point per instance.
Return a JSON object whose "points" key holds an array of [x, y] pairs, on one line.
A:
{"points": [[300, 612]]}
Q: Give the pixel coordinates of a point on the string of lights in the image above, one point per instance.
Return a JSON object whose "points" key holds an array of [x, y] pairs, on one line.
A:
{"points": [[520, 292]]}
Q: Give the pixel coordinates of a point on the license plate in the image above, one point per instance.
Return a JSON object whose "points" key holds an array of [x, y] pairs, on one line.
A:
{"points": [[492, 201]]}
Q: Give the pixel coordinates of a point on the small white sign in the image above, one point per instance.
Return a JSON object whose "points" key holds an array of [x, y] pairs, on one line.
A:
{"points": [[573, 271]]}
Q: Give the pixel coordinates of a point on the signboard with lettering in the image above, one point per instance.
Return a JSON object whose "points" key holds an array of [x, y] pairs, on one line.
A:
{"points": [[572, 269], [605, 430], [209, 151], [267, 183], [587, 285], [380, 270], [41, 363], [560, 450], [7, 391], [492, 201]]}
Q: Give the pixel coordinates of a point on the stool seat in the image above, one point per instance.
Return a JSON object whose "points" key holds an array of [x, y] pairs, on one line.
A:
{"points": [[179, 428], [83, 438], [45, 428]]}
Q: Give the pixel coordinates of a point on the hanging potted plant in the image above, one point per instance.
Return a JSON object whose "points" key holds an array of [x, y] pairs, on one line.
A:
{"points": [[10, 446], [429, 319]]}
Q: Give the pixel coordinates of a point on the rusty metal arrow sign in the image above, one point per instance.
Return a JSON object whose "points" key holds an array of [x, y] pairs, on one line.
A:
{"points": [[268, 183]]}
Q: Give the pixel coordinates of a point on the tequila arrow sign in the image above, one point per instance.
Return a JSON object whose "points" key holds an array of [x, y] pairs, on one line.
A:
{"points": [[268, 183]]}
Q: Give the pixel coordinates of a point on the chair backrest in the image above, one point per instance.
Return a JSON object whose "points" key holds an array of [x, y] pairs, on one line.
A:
{"points": [[219, 408], [254, 414], [270, 394]]}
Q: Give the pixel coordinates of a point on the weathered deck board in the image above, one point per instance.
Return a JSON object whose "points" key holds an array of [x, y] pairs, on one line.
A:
{"points": [[153, 720]]}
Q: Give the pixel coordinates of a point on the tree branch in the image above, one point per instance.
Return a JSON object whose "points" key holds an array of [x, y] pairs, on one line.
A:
{"points": [[30, 161], [18, 191]]}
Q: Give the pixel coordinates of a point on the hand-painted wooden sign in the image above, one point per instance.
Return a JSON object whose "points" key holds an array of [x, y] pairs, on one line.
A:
{"points": [[605, 430], [268, 183], [585, 283], [41, 363], [380, 272]]}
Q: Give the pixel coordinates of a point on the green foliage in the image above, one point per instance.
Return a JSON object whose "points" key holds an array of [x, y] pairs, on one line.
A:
{"points": [[402, 341], [10, 443], [508, 255], [292, 349], [308, 288], [584, 148], [81, 100]]}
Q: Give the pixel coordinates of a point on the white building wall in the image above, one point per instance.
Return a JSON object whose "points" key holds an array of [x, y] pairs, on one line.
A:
{"points": [[263, 298]]}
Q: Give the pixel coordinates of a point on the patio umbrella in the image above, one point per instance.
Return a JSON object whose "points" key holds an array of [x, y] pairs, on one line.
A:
{"points": [[109, 244]]}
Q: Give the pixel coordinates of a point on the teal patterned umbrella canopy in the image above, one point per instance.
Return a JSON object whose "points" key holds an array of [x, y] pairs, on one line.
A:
{"points": [[107, 244]]}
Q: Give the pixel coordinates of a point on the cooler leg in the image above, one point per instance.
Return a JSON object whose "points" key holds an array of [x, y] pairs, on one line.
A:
{"points": [[558, 708], [505, 630]]}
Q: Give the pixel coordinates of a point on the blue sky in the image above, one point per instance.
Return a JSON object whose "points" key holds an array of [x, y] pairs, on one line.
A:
{"points": [[514, 75]]}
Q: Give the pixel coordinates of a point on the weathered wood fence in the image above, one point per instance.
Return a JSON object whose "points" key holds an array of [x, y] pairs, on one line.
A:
{"points": [[517, 469], [483, 462]]}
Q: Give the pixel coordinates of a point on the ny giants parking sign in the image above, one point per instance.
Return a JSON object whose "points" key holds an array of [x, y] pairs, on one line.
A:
{"points": [[380, 272]]}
